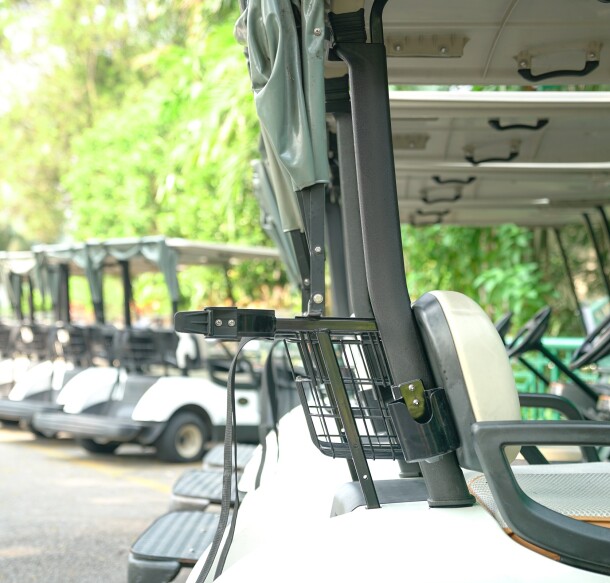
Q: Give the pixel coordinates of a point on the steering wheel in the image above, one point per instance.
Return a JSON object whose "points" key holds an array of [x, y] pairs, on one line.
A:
{"points": [[531, 333], [503, 324], [595, 346]]}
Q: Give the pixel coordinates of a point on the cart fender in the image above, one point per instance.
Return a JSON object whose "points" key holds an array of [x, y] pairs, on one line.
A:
{"points": [[88, 388], [169, 394], [37, 379]]}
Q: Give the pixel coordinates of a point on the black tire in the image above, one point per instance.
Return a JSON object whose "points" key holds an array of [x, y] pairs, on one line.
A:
{"points": [[184, 438], [93, 446]]}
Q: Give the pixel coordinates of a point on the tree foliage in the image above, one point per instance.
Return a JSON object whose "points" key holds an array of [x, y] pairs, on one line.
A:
{"points": [[136, 118]]}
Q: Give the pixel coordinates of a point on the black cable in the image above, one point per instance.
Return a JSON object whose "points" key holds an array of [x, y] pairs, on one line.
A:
{"points": [[228, 467]]}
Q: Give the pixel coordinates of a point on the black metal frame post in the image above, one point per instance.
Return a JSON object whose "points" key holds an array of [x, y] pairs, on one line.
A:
{"points": [[345, 412], [127, 292], [598, 252], [566, 265], [336, 259], [31, 299], [64, 292], [565, 370], [605, 223], [313, 206], [533, 370], [381, 227], [360, 303]]}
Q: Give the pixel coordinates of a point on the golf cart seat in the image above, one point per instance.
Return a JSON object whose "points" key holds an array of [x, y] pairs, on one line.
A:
{"points": [[8, 333], [73, 343], [555, 509], [35, 341]]}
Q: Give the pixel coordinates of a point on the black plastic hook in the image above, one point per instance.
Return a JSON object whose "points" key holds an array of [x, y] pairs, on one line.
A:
{"points": [[457, 194], [589, 67], [437, 215], [464, 182], [495, 124], [514, 152]]}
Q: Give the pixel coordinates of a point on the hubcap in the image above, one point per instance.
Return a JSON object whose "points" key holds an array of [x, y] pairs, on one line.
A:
{"points": [[188, 440]]}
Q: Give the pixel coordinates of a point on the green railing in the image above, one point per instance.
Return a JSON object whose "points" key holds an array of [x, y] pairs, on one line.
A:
{"points": [[527, 382]]}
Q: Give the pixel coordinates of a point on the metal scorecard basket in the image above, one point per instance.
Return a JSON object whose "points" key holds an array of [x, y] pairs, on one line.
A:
{"points": [[352, 407]]}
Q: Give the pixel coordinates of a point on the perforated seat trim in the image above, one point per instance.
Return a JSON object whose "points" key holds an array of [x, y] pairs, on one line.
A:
{"points": [[579, 494]]}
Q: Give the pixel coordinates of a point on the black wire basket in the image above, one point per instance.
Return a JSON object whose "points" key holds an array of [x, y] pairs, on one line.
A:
{"points": [[344, 384]]}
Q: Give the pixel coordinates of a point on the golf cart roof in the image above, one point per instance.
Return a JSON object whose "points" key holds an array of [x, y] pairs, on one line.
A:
{"points": [[482, 43], [145, 253], [549, 153], [19, 262]]}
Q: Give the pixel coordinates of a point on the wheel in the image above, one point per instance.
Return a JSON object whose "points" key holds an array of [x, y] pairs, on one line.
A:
{"points": [[93, 446], [184, 438]]}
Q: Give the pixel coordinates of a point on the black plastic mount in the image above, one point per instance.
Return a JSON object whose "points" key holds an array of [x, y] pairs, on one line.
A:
{"points": [[227, 323], [576, 542], [433, 433]]}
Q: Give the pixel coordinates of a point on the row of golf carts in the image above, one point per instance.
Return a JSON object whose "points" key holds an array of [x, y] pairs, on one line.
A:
{"points": [[407, 457], [111, 384]]}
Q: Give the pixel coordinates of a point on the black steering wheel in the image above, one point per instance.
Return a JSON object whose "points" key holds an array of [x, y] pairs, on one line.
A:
{"points": [[595, 346], [529, 336], [503, 324]]}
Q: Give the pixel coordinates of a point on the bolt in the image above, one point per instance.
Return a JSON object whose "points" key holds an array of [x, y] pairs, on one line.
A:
{"points": [[218, 322], [523, 64], [443, 50], [365, 476], [306, 282], [299, 379], [317, 249], [231, 322], [411, 387], [416, 402], [191, 550], [317, 31], [397, 48], [318, 298], [591, 56]]}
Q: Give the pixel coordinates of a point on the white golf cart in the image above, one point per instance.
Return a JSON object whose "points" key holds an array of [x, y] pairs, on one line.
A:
{"points": [[426, 385]]}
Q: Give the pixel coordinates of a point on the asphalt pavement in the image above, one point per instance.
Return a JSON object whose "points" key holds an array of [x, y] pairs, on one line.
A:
{"points": [[67, 516]]}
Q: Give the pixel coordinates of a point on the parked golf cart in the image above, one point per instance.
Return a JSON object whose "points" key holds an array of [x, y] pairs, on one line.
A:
{"points": [[429, 386], [170, 390], [16, 269], [35, 345]]}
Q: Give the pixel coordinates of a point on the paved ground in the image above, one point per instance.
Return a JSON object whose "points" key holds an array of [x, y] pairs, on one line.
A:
{"points": [[66, 516]]}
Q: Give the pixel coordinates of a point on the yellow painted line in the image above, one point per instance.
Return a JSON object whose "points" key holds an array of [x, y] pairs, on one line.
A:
{"points": [[107, 470], [150, 484]]}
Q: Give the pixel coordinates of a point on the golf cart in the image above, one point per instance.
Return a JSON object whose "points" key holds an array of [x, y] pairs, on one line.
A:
{"points": [[15, 274], [427, 385], [55, 352], [170, 389]]}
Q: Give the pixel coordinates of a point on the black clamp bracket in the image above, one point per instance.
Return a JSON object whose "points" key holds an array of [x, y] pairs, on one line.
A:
{"points": [[227, 323]]}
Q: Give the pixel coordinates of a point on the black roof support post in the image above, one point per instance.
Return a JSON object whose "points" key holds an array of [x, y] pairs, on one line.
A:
{"points": [[338, 103], [566, 265], [127, 293], [381, 230], [598, 252]]}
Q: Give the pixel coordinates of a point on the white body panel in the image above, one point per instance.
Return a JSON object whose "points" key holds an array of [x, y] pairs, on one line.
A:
{"points": [[35, 380], [13, 369], [169, 394], [88, 388], [284, 532]]}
